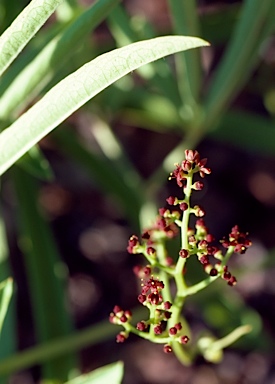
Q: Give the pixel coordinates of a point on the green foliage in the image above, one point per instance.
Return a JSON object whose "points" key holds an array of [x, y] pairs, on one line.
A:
{"points": [[112, 373]]}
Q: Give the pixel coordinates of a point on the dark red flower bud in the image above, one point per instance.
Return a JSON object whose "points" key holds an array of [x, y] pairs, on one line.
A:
{"points": [[132, 243], [186, 165], [178, 326], [151, 251], [147, 270], [167, 315], [183, 206], [192, 156], [162, 211], [117, 309], [232, 281], [213, 272], [184, 339], [157, 330], [167, 348], [173, 331], [227, 275], [172, 200], [128, 314], [184, 253], [209, 238], [121, 337], [204, 260], [141, 298], [198, 185], [154, 298], [167, 305], [145, 235], [141, 326]]}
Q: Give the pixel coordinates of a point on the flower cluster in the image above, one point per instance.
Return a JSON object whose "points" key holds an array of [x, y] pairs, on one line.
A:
{"points": [[160, 313], [165, 322], [238, 240], [192, 163]]}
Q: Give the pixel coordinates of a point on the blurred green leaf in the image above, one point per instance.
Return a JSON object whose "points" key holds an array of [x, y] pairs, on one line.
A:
{"points": [[247, 131], [112, 373], [185, 21], [123, 184], [5, 297], [42, 260], [36, 164], [239, 59]]}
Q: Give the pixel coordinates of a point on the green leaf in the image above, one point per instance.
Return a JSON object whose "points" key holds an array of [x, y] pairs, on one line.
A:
{"points": [[24, 27], [122, 181], [45, 272], [5, 297], [36, 164], [40, 70], [111, 373], [248, 131], [239, 59], [79, 87]]}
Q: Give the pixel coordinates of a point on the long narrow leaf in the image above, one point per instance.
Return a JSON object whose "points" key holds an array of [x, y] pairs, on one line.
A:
{"points": [[5, 297], [41, 259], [41, 69], [159, 74], [24, 27], [112, 373], [123, 185], [247, 131], [8, 310], [79, 87], [240, 57], [188, 64]]}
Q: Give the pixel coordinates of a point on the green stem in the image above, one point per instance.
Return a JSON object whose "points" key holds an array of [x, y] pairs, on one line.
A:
{"points": [[163, 276], [231, 337], [182, 355], [92, 335]]}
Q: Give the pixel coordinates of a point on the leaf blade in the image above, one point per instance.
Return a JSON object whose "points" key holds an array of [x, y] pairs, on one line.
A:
{"points": [[24, 27], [79, 87]]}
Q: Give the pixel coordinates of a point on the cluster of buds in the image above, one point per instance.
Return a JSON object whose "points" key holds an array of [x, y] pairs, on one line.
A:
{"points": [[192, 163], [200, 244], [151, 297], [238, 240], [164, 324]]}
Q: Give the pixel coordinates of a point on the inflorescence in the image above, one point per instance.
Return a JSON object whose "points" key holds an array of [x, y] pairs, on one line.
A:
{"points": [[165, 323]]}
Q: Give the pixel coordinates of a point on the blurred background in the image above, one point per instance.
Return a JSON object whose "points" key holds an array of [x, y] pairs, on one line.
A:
{"points": [[105, 173]]}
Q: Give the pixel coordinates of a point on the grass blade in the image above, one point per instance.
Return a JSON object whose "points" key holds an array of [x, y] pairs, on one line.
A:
{"points": [[24, 27], [123, 185], [247, 131], [239, 59], [8, 335], [41, 260], [185, 20], [6, 288], [79, 87]]}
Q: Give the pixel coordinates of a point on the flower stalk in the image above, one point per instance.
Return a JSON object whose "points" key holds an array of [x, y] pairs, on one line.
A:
{"points": [[166, 323]]}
